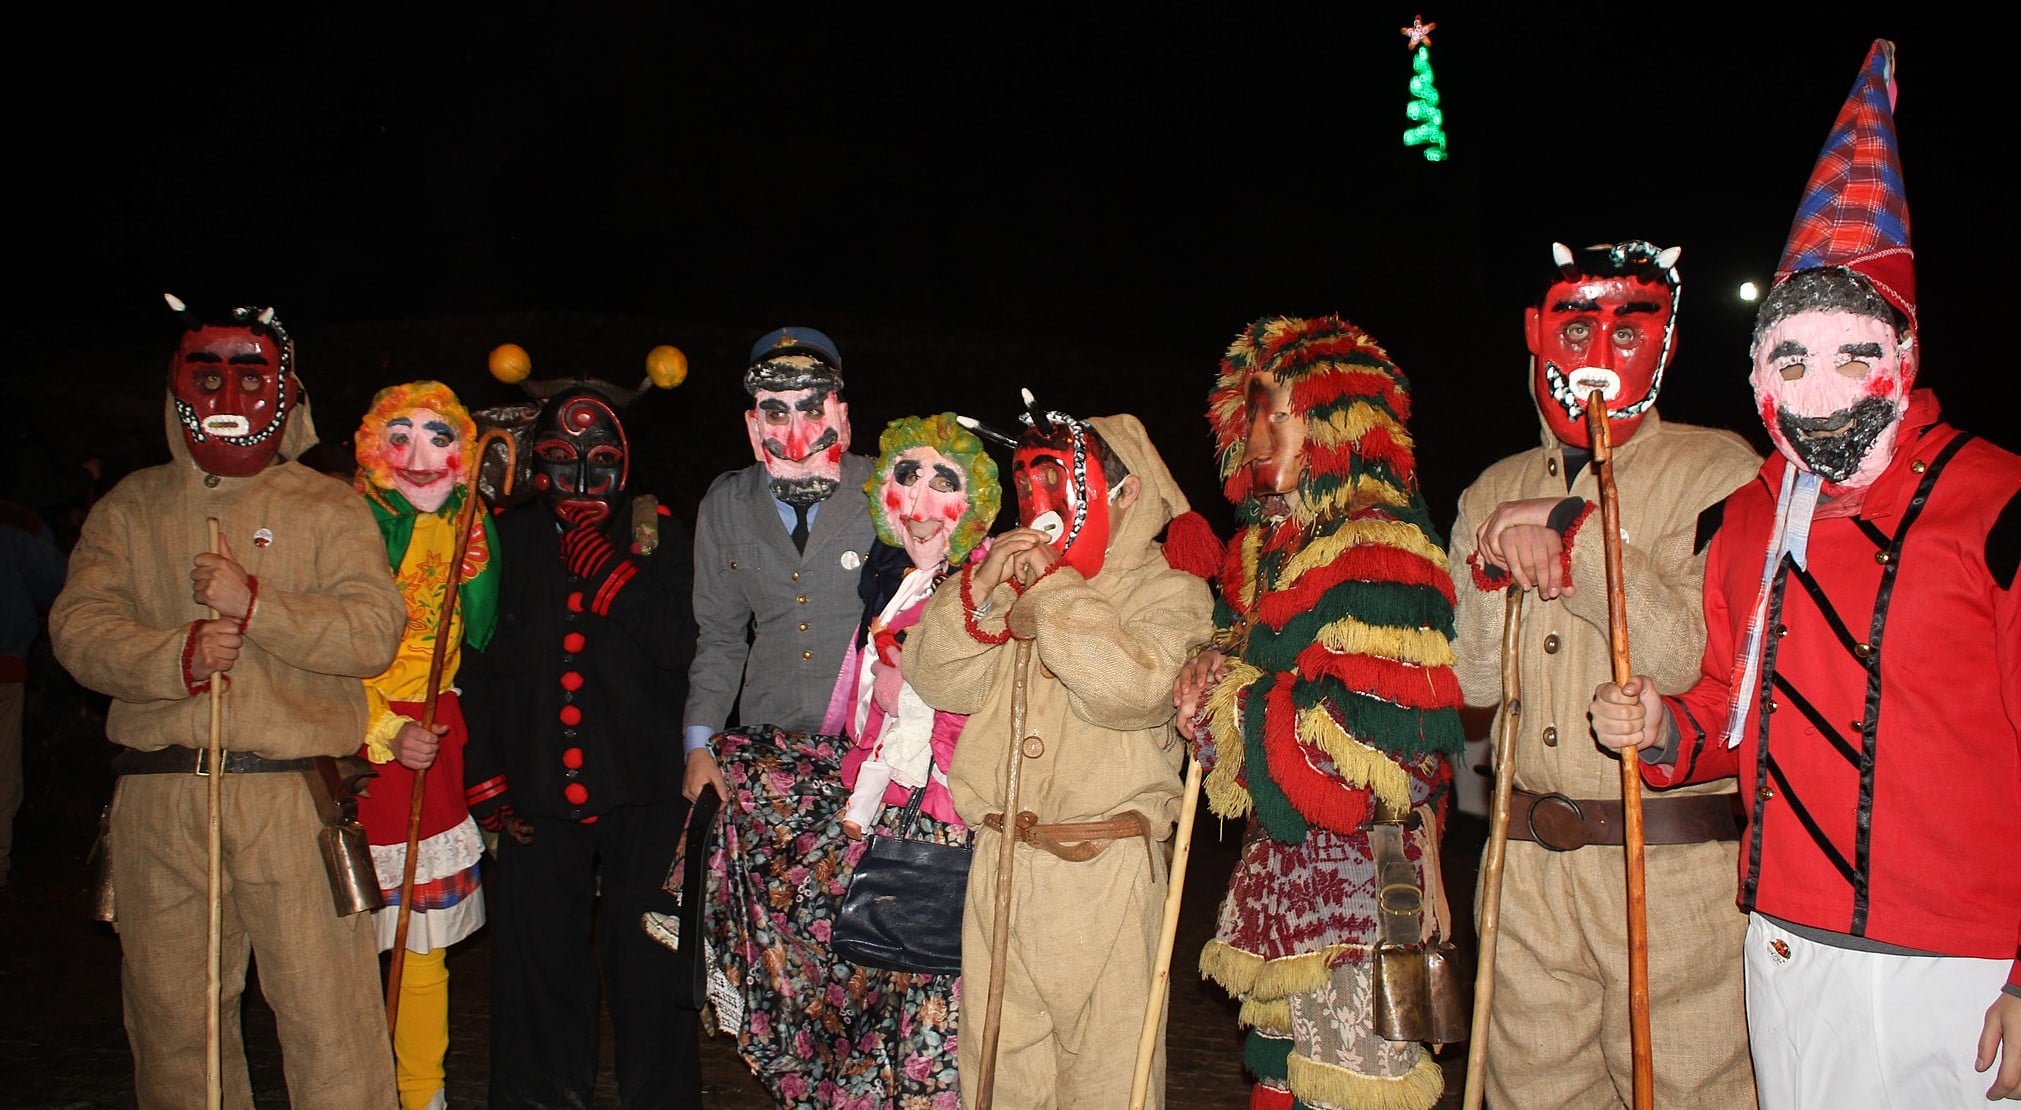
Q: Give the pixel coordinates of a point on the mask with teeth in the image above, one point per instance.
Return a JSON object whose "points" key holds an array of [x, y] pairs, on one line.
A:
{"points": [[1608, 323], [232, 389]]}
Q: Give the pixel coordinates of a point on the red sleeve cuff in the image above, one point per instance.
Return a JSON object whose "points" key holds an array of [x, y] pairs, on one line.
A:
{"points": [[1487, 577], [969, 619], [194, 683], [252, 601], [1571, 531]]}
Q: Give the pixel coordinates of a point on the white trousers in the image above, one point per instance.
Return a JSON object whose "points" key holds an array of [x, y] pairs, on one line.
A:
{"points": [[1833, 1027]]}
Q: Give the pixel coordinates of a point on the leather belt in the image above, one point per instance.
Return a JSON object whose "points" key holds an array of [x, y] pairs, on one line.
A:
{"points": [[1077, 841], [196, 761], [1565, 824]]}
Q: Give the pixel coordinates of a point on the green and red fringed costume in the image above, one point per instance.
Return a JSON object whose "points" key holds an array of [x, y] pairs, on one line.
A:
{"points": [[1336, 610]]}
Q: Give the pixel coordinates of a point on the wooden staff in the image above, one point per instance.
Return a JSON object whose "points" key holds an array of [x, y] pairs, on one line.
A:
{"points": [[1631, 771], [1498, 841], [999, 947], [1161, 978], [465, 521], [214, 1092]]}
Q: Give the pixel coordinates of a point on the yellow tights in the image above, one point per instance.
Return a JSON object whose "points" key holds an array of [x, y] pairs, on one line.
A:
{"points": [[421, 1035]]}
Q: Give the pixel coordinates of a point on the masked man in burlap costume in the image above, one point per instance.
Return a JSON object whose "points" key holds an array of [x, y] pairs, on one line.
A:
{"points": [[1086, 582], [1558, 1034], [1325, 704], [304, 608]]}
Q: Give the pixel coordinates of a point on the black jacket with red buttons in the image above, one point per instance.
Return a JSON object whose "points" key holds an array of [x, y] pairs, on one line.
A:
{"points": [[575, 704]]}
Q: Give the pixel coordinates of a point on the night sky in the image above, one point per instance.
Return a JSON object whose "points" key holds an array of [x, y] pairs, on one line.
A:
{"points": [[967, 200]]}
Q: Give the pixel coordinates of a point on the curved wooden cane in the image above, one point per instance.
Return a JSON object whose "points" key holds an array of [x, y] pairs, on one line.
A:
{"points": [[213, 1040], [1498, 842], [466, 520], [1631, 771], [999, 947]]}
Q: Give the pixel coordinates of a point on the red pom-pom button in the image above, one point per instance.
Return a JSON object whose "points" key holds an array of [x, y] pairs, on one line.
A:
{"points": [[571, 681], [571, 716], [575, 602], [572, 759], [576, 793], [574, 641]]}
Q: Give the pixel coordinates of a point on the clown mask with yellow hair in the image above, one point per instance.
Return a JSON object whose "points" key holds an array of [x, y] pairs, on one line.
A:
{"points": [[418, 440]]}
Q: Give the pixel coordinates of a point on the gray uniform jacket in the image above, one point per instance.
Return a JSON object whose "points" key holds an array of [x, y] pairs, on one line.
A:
{"points": [[772, 623]]}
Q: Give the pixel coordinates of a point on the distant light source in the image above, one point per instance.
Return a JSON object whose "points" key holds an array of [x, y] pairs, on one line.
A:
{"points": [[1749, 292]]}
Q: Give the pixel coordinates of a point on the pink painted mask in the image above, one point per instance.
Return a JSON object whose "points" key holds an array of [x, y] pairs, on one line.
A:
{"points": [[923, 497], [800, 435], [1831, 387], [418, 439], [424, 457]]}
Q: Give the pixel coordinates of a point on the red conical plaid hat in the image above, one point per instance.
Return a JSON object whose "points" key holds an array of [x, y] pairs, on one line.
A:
{"points": [[1854, 213]]}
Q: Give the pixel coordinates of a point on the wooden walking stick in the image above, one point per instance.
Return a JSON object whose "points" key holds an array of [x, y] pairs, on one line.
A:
{"points": [[999, 946], [1161, 976], [1631, 771], [214, 1071], [466, 520], [1498, 841]]}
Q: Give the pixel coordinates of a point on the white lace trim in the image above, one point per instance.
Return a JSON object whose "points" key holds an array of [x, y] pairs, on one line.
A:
{"points": [[438, 857]]}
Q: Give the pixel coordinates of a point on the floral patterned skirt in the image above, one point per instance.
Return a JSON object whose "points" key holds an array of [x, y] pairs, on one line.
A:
{"points": [[817, 1030]]}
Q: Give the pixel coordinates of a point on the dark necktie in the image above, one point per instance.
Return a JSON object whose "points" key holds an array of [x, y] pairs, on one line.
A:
{"points": [[800, 528]]}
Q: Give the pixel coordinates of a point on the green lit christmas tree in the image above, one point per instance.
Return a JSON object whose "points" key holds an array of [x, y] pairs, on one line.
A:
{"points": [[1428, 122]]}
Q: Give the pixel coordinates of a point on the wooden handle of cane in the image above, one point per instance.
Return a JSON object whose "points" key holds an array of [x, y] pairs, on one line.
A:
{"points": [[1498, 842], [1007, 840], [213, 1041], [1161, 977], [396, 959], [1631, 772]]}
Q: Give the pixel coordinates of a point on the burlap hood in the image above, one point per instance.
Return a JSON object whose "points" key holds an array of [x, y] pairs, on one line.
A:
{"points": [[1134, 539]]}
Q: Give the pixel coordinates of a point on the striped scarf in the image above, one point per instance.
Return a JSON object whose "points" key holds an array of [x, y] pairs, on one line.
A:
{"points": [[1794, 505]]}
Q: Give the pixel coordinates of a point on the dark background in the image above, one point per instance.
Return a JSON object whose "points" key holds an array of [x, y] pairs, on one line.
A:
{"points": [[968, 199]]}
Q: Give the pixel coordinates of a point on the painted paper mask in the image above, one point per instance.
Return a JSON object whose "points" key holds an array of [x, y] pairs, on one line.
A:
{"points": [[1274, 448], [1063, 492], [418, 439], [232, 391], [581, 458], [800, 435], [1609, 333], [1831, 388]]}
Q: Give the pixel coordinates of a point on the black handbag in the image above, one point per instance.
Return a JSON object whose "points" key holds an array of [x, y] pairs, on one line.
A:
{"points": [[902, 911], [691, 979]]}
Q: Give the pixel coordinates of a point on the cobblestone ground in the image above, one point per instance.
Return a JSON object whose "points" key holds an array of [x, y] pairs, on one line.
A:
{"points": [[62, 1046]]}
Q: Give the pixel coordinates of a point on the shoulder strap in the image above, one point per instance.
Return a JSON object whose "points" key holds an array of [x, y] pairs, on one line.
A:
{"points": [[907, 815]]}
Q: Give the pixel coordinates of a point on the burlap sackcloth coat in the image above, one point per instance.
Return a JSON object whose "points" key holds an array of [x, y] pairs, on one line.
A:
{"points": [[1559, 1032], [327, 615], [1083, 936]]}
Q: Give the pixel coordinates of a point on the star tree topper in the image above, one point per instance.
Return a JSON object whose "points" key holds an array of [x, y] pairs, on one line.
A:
{"points": [[1419, 32]]}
